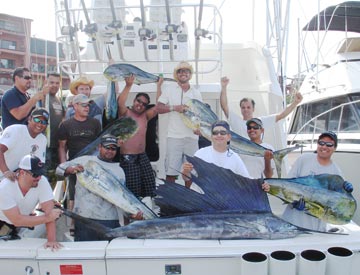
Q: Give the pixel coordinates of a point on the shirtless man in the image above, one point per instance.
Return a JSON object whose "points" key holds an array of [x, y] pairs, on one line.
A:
{"points": [[140, 178]]}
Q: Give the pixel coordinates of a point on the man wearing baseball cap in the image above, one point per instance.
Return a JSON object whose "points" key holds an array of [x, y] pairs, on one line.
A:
{"points": [[316, 163], [17, 203], [173, 98], [88, 204], [18, 140]]}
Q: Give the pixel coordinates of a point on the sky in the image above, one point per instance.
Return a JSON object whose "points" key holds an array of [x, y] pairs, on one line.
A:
{"points": [[236, 17]]}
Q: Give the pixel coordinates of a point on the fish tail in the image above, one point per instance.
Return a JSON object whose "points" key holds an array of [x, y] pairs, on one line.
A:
{"points": [[278, 158]]}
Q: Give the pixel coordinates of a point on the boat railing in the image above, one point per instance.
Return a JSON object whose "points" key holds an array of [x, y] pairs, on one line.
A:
{"points": [[314, 119]]}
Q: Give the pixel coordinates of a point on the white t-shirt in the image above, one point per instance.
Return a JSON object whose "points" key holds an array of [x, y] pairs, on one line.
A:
{"points": [[19, 143], [90, 205], [306, 165], [228, 159], [11, 196], [256, 165], [172, 94], [238, 125]]}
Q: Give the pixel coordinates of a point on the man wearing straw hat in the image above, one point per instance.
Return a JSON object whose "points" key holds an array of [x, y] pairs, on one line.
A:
{"points": [[180, 139]]}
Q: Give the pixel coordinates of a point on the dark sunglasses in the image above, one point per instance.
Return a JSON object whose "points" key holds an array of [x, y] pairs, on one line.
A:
{"points": [[34, 175], [185, 71], [26, 77], [256, 127], [221, 132], [38, 120], [141, 102], [84, 105], [327, 144], [111, 148]]}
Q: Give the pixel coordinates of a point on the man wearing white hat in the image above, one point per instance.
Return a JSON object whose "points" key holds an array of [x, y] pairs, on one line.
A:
{"points": [[18, 201], [180, 139]]}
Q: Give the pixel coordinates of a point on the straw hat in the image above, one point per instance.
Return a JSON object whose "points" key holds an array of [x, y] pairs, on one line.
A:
{"points": [[80, 81], [182, 65]]}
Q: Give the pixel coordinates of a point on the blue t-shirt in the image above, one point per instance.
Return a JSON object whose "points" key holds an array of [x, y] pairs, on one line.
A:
{"points": [[12, 98]]}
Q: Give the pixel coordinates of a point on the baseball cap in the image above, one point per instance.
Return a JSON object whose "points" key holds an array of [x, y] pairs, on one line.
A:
{"points": [[331, 135], [222, 123], [255, 120], [109, 140], [81, 98], [33, 164], [40, 112]]}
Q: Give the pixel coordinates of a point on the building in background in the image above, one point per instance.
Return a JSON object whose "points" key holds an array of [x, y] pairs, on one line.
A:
{"points": [[18, 48]]}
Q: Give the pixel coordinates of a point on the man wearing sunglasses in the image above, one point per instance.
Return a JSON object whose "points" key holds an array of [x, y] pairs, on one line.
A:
{"points": [[18, 201], [76, 133], [258, 167], [314, 164], [16, 104], [18, 140], [218, 153], [172, 99], [88, 204], [140, 178]]}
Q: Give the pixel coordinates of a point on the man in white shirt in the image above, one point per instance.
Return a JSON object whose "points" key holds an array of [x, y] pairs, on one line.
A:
{"points": [[247, 106], [180, 139], [18, 201]]}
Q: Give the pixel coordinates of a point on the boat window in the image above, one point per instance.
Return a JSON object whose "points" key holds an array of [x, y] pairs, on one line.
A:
{"points": [[328, 114]]}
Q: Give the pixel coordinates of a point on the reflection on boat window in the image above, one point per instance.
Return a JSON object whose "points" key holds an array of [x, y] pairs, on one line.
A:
{"points": [[338, 114]]}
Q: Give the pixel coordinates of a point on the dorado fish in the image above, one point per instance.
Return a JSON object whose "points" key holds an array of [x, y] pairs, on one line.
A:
{"points": [[111, 108], [103, 183], [199, 116], [118, 72], [324, 195], [123, 128]]}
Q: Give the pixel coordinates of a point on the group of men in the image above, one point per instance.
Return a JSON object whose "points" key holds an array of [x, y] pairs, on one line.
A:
{"points": [[77, 126]]}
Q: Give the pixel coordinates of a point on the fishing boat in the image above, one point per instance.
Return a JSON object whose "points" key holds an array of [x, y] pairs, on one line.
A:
{"points": [[155, 37]]}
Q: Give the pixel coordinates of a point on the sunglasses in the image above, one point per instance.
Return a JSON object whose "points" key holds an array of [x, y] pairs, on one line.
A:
{"points": [[256, 127], [111, 148], [327, 144], [38, 120], [84, 105], [141, 102], [221, 132], [183, 71], [26, 77], [34, 175]]}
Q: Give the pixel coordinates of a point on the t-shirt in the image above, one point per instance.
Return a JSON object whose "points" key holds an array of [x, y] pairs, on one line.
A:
{"points": [[78, 134], [229, 160], [172, 94], [19, 143], [12, 98], [256, 165], [11, 196], [57, 112], [238, 125]]}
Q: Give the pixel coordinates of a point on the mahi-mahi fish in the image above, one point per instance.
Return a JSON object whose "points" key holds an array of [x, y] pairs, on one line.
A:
{"points": [[324, 195], [111, 108], [201, 117], [123, 128], [118, 72], [103, 183]]}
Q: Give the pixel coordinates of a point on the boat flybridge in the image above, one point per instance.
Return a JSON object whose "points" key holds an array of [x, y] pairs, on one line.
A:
{"points": [[155, 37]]}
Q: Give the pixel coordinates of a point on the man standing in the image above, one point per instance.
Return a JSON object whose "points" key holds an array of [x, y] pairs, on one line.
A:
{"points": [[57, 114], [313, 164], [18, 140], [180, 139], [74, 134], [16, 104], [247, 106], [258, 167], [18, 201], [88, 204], [140, 178]]}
